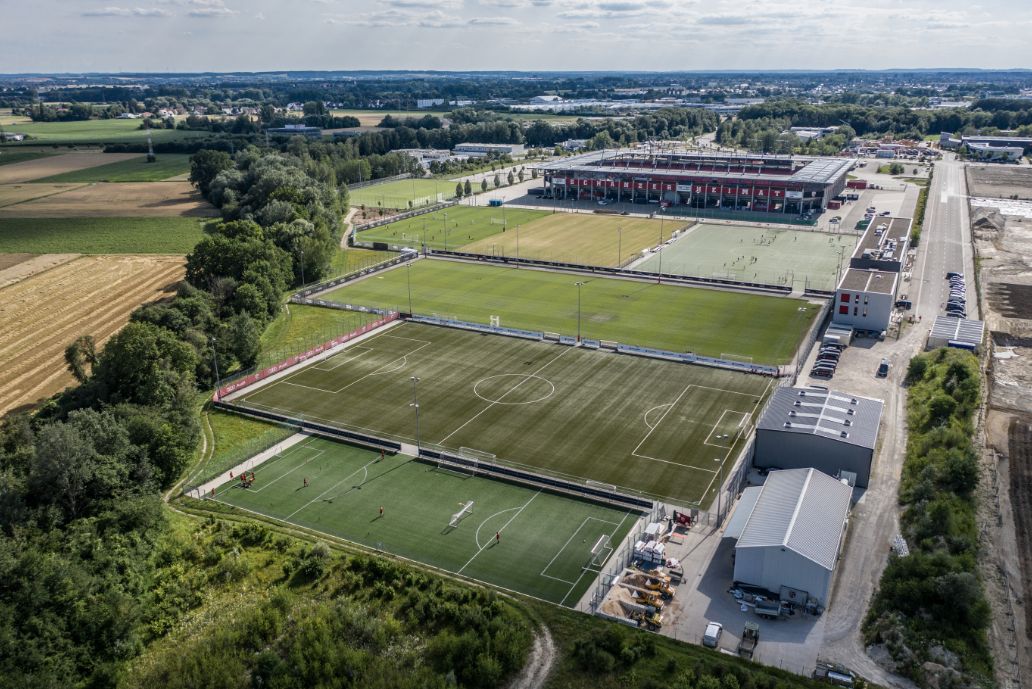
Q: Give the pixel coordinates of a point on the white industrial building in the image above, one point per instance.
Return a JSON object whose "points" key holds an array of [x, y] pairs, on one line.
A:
{"points": [[865, 299], [789, 532], [487, 149], [961, 333], [833, 432]]}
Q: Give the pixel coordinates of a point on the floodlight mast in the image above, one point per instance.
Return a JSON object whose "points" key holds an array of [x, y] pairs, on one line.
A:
{"points": [[415, 404]]}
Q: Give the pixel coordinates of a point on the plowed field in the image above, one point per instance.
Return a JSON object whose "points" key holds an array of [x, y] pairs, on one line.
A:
{"points": [[137, 199], [41, 315], [1020, 442]]}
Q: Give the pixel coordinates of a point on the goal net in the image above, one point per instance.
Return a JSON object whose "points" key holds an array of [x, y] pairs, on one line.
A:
{"points": [[456, 519], [498, 221], [730, 356], [470, 464], [600, 552]]}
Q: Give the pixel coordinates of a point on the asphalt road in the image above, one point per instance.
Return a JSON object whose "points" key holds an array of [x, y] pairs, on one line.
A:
{"points": [[945, 246]]}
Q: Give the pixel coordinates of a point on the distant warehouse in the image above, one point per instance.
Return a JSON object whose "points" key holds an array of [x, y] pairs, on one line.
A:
{"points": [[790, 185], [488, 149], [830, 431], [296, 130]]}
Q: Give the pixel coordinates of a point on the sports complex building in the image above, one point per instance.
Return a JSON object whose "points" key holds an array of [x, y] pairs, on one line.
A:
{"points": [[762, 183]]}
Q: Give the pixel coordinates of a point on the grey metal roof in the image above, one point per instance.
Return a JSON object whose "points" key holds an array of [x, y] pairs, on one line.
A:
{"points": [[743, 510], [898, 233], [958, 330], [837, 416], [803, 510], [868, 280], [812, 171]]}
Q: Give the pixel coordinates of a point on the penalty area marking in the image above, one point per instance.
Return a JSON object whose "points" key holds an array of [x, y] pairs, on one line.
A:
{"points": [[519, 511], [526, 377], [738, 429], [568, 541]]}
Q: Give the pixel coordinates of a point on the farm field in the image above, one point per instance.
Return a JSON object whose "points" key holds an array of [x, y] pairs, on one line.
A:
{"points": [[20, 266], [397, 194], [36, 167], [91, 295], [136, 169], [99, 132], [757, 254], [11, 194], [96, 235], [588, 239], [373, 118], [451, 227], [133, 199], [643, 424], [672, 317], [9, 156], [545, 540]]}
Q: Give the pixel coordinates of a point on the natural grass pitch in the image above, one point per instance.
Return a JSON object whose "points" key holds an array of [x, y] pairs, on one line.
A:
{"points": [[420, 192], [546, 540], [797, 258], [584, 238], [673, 317], [452, 228], [660, 428]]}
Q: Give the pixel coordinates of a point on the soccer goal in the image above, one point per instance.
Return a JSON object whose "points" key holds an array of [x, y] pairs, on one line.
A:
{"points": [[600, 552], [456, 519], [498, 221], [470, 464], [731, 356]]}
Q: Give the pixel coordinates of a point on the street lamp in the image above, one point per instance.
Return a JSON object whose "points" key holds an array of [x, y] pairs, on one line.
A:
{"points": [[579, 285], [415, 405], [215, 363], [720, 486], [659, 272], [619, 246], [517, 247]]}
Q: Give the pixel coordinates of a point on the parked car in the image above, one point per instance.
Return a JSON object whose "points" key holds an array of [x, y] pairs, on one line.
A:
{"points": [[953, 274], [883, 368], [712, 636]]}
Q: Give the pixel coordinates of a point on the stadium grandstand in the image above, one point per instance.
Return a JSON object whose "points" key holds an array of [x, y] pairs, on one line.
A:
{"points": [[791, 185]]}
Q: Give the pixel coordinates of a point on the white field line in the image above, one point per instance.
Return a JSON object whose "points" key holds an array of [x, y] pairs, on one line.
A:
{"points": [[232, 484], [207, 487], [520, 511], [560, 551], [506, 393], [745, 417], [329, 354], [359, 351], [645, 417], [320, 495], [380, 371], [585, 571], [634, 452], [476, 534], [317, 454]]}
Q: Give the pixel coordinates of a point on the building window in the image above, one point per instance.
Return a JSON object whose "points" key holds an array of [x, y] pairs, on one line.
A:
{"points": [[844, 310], [844, 297], [855, 309], [865, 313], [865, 299]]}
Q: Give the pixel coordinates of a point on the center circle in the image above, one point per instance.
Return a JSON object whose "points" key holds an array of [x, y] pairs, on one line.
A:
{"points": [[513, 388]]}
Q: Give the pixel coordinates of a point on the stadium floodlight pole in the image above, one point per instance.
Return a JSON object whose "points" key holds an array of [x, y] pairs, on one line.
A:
{"points": [[215, 363], [720, 487], [579, 285], [619, 246], [659, 271], [415, 405]]}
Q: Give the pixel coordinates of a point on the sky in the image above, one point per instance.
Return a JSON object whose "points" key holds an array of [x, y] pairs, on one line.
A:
{"points": [[651, 35]]}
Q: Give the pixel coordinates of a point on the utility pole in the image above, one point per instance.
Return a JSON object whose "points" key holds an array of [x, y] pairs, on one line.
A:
{"points": [[415, 405], [579, 285]]}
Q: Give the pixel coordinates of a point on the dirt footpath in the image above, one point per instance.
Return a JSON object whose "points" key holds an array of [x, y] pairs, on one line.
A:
{"points": [[125, 200], [41, 315], [56, 165]]}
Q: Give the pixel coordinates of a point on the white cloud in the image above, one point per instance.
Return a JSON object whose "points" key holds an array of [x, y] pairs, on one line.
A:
{"points": [[210, 9], [127, 12], [492, 21]]}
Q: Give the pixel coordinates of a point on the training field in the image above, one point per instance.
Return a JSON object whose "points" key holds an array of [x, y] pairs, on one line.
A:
{"points": [[133, 170], [421, 192], [453, 227], [673, 317], [643, 424], [588, 239], [546, 540], [757, 254]]}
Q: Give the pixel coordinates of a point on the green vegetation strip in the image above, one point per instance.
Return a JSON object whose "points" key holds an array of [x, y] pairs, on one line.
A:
{"points": [[9, 156], [919, 211], [705, 321], [134, 170], [172, 235], [930, 604]]}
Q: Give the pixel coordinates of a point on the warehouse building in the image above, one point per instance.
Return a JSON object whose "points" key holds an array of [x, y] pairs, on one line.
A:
{"points": [[833, 432], [475, 150], [789, 532], [961, 333], [296, 130], [742, 183]]}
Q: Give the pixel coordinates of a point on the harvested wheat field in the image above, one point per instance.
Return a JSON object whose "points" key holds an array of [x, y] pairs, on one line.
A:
{"points": [[41, 315], [11, 194], [56, 165], [117, 200], [17, 267]]}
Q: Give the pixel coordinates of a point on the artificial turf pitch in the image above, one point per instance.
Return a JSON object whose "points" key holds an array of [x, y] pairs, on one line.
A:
{"points": [[676, 318], [399, 194], [656, 428], [451, 228], [546, 539]]}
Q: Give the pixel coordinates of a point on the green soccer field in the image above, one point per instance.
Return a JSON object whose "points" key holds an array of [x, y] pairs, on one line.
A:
{"points": [[750, 253], [134, 170], [451, 228], [676, 318], [421, 192], [658, 428], [546, 539]]}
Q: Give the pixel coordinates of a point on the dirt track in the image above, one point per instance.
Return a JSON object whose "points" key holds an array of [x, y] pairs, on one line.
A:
{"points": [[41, 315], [134, 199], [56, 165]]}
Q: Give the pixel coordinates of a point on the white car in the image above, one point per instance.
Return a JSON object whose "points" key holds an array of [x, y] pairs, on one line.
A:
{"points": [[712, 636]]}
